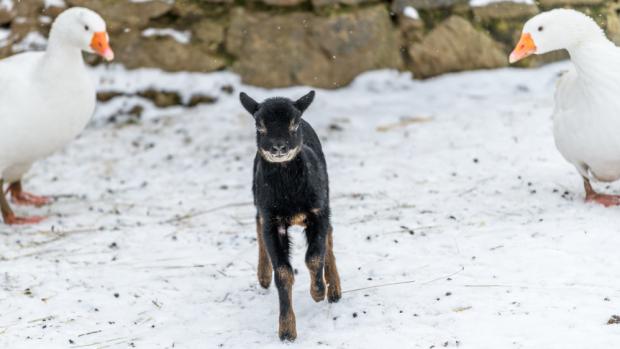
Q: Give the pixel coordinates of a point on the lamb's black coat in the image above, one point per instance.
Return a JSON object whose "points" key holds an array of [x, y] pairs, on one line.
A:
{"points": [[291, 187], [294, 187]]}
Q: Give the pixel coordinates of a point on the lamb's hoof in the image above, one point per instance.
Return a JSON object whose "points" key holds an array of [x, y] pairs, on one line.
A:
{"points": [[288, 336], [287, 330], [265, 274], [264, 281], [317, 291], [334, 293]]}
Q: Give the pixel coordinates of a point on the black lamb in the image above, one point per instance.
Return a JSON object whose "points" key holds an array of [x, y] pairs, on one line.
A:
{"points": [[291, 187]]}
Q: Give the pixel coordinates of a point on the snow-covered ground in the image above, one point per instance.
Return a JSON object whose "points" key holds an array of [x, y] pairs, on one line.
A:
{"points": [[457, 224]]}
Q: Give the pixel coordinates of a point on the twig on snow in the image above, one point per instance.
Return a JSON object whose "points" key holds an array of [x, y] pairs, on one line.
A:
{"points": [[200, 213], [89, 333], [404, 123], [404, 282]]}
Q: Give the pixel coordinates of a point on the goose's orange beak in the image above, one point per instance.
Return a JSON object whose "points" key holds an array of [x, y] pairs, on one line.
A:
{"points": [[101, 45], [524, 48]]}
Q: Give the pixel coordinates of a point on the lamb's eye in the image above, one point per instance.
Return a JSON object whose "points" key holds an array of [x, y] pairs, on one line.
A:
{"points": [[86, 27], [540, 28], [261, 130], [295, 127]]}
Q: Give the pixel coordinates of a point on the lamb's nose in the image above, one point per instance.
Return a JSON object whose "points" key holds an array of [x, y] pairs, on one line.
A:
{"points": [[279, 148]]}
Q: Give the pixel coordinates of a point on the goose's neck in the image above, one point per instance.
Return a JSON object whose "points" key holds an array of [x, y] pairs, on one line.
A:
{"points": [[60, 55], [596, 59]]}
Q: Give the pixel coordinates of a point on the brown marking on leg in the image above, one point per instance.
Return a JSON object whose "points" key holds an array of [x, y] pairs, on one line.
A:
{"points": [[264, 269], [603, 199], [317, 284], [334, 292], [285, 280], [298, 219]]}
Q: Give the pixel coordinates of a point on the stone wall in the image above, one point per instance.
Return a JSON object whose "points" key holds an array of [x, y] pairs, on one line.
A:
{"points": [[323, 43]]}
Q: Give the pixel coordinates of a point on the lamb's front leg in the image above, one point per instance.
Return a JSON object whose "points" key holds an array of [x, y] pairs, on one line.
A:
{"points": [[334, 291], [264, 271], [316, 233], [276, 242]]}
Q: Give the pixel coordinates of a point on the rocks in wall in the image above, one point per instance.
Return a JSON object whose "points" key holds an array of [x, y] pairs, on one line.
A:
{"points": [[143, 36], [455, 45], [561, 3], [613, 22], [304, 48], [166, 52], [7, 13], [319, 3], [285, 3], [434, 4], [503, 21], [504, 10], [121, 15], [324, 43]]}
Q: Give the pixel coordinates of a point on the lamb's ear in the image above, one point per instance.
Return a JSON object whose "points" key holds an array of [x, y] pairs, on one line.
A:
{"points": [[248, 103], [304, 102]]}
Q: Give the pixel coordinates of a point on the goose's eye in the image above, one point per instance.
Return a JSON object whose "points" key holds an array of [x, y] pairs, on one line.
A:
{"points": [[540, 28], [86, 28]]}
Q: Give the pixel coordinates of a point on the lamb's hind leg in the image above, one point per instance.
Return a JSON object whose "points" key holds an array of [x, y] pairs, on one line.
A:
{"points": [[334, 292], [277, 245], [316, 233], [265, 271]]}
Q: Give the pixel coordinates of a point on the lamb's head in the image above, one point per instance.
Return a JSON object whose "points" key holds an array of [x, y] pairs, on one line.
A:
{"points": [[278, 125]]}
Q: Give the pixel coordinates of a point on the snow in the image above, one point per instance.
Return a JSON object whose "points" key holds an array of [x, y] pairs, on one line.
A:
{"points": [[32, 41], [465, 228], [411, 12], [4, 35], [115, 78], [182, 37], [55, 3], [6, 5], [478, 3]]}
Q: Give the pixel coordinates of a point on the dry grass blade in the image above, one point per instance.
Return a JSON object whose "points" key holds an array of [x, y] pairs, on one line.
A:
{"points": [[404, 282], [404, 122], [200, 213]]}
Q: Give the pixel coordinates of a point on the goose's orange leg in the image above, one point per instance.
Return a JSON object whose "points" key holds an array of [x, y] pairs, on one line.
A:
{"points": [[603, 199], [9, 217], [20, 197]]}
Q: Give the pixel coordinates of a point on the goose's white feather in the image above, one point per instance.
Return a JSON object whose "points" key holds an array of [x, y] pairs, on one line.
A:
{"points": [[46, 98], [587, 112], [586, 117]]}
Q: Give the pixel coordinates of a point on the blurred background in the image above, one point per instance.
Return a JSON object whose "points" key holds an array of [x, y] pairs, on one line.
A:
{"points": [[322, 43]]}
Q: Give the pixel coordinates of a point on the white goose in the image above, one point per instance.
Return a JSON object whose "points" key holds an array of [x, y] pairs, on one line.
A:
{"points": [[46, 100], [586, 118]]}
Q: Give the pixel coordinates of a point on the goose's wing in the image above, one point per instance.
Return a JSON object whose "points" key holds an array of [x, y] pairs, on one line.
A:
{"points": [[16, 81], [565, 90]]}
